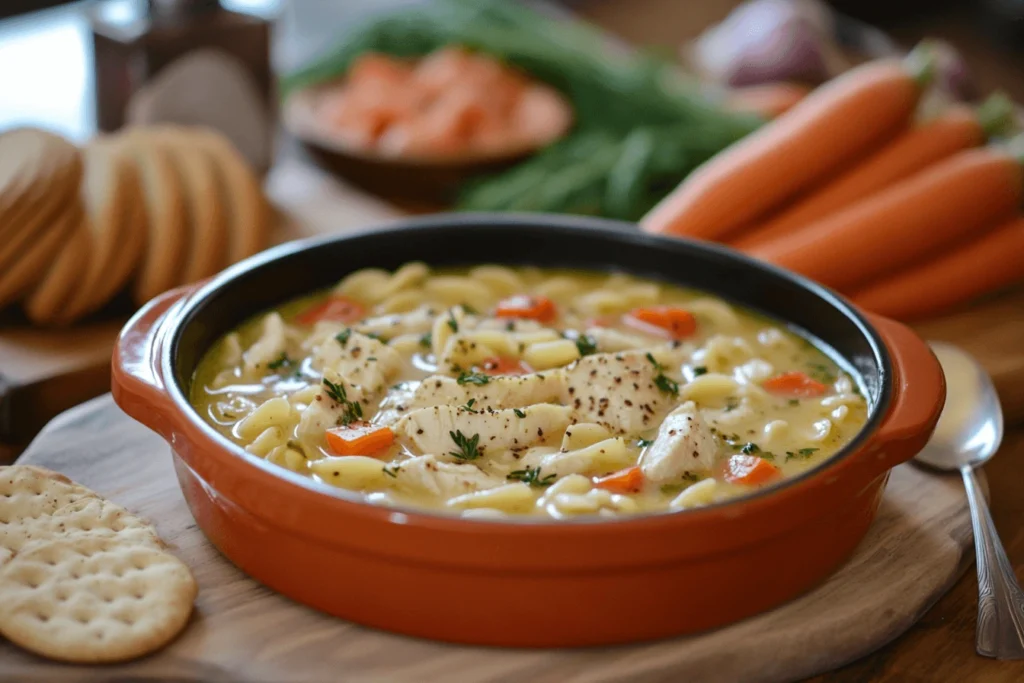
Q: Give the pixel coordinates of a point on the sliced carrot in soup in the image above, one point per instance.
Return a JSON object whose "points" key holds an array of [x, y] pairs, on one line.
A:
{"points": [[675, 322], [750, 470], [503, 365], [628, 480], [538, 308], [359, 438], [795, 385], [336, 308]]}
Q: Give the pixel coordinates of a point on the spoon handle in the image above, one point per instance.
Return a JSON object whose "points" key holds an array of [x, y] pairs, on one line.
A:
{"points": [[1000, 599]]}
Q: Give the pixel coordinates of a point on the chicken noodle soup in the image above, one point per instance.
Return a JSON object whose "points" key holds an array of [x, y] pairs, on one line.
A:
{"points": [[495, 391]]}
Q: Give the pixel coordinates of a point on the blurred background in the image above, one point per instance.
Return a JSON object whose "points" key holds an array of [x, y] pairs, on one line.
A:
{"points": [[149, 144]]}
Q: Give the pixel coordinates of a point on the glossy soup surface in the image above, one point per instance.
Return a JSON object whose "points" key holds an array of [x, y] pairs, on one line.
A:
{"points": [[496, 391]]}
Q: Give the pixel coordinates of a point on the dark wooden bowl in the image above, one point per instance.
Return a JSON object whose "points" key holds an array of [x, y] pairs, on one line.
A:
{"points": [[434, 181]]}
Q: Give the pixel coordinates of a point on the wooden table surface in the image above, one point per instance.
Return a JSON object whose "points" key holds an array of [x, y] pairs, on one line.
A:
{"points": [[941, 646]]}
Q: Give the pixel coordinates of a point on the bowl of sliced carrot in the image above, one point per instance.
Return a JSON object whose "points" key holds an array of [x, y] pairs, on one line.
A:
{"points": [[418, 128]]}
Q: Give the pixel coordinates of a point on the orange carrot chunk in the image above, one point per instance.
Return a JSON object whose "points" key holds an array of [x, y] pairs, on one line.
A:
{"points": [[750, 470], [503, 365], [337, 308], [917, 148], [538, 308], [628, 480], [909, 221], [677, 323], [359, 438], [772, 165], [987, 263], [795, 385]]}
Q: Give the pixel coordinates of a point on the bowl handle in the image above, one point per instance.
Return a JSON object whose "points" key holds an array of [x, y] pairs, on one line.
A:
{"points": [[137, 382], [919, 394]]}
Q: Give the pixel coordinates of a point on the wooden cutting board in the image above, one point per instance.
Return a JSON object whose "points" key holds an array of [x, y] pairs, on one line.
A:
{"points": [[241, 631]]}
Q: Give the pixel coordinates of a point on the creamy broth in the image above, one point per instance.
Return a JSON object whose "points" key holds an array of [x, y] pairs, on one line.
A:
{"points": [[495, 391]]}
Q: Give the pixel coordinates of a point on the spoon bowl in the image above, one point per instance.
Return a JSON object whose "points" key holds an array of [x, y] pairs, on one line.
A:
{"points": [[971, 426], [968, 434]]}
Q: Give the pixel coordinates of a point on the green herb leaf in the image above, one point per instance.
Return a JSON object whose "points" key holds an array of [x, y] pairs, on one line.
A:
{"points": [[654, 362], [699, 370], [452, 322], [469, 309], [644, 443], [821, 372], [532, 476], [342, 337], [666, 384], [586, 344], [519, 413], [392, 472], [281, 361], [374, 335], [750, 449], [469, 406], [801, 454], [468, 447], [335, 391], [426, 340], [794, 401], [473, 378]]}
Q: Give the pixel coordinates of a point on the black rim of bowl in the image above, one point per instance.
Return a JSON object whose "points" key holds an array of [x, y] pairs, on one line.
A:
{"points": [[560, 226]]}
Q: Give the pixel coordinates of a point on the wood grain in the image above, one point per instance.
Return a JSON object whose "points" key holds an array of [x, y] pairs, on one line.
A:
{"points": [[917, 548]]}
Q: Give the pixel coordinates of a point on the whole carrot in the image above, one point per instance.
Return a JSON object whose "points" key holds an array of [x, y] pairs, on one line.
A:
{"points": [[984, 265], [769, 100], [840, 121], [956, 129], [913, 219]]}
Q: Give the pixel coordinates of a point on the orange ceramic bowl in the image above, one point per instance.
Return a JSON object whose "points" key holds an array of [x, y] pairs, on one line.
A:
{"points": [[536, 583]]}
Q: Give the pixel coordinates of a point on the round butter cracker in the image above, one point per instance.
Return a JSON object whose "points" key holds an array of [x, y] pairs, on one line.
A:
{"points": [[94, 599], [35, 165], [26, 270], [62, 278], [206, 212], [115, 216], [248, 212], [168, 233]]}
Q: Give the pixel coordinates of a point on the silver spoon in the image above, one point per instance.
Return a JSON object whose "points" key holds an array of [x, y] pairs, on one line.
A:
{"points": [[968, 434]]}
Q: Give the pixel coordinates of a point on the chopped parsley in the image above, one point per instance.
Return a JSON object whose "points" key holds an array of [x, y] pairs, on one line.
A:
{"points": [[510, 326], [801, 454], [342, 337], [469, 406], [689, 478], [426, 340], [699, 370], [586, 344], [666, 384], [392, 472], [351, 410], [794, 401], [731, 404], [821, 372], [374, 335], [468, 309], [281, 361], [518, 412], [532, 476], [473, 378], [335, 391], [468, 446], [452, 322], [644, 443], [750, 449]]}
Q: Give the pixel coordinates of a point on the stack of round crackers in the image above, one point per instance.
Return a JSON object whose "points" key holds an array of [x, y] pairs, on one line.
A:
{"points": [[83, 579], [147, 209]]}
